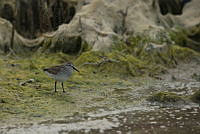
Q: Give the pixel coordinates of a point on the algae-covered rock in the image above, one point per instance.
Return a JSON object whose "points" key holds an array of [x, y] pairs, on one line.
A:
{"points": [[196, 96], [115, 63], [137, 56], [165, 97]]}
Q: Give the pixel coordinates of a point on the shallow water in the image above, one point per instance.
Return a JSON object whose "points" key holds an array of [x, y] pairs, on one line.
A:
{"points": [[153, 119]]}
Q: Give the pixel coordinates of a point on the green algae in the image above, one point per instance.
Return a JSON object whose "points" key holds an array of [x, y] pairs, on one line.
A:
{"points": [[179, 37], [196, 97], [187, 37], [112, 63], [33, 97], [37, 100], [132, 58], [165, 97], [102, 81]]}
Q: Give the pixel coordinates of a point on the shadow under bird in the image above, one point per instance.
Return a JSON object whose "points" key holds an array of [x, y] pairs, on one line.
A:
{"points": [[60, 73]]}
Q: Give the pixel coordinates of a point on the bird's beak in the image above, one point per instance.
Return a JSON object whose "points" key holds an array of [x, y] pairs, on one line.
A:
{"points": [[76, 69]]}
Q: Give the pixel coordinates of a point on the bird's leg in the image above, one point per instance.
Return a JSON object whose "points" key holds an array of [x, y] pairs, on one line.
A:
{"points": [[63, 87], [55, 86]]}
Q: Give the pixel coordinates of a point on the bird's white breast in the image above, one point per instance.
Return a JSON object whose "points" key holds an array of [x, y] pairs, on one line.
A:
{"points": [[61, 76]]}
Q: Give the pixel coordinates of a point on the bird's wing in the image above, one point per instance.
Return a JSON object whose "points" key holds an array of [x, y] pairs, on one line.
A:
{"points": [[54, 69]]}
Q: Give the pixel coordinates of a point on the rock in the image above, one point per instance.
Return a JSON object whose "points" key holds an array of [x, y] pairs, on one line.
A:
{"points": [[152, 118], [162, 126], [153, 122], [152, 47], [33, 17], [95, 22], [27, 81], [21, 45]]}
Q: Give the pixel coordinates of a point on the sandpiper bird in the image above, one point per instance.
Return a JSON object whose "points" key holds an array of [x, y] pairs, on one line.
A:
{"points": [[60, 73]]}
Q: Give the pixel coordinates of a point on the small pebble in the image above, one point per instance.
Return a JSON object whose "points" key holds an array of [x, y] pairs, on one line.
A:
{"points": [[160, 116], [177, 111], [124, 120], [118, 132], [171, 115], [162, 126], [153, 122], [152, 118], [194, 112], [27, 81], [183, 109]]}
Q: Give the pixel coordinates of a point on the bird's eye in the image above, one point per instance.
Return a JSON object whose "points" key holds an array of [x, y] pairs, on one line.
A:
{"points": [[69, 64]]}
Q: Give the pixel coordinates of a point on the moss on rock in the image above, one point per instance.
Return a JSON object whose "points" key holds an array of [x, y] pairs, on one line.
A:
{"points": [[187, 37], [111, 63], [137, 56]]}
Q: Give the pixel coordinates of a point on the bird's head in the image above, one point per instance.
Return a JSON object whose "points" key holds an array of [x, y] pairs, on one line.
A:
{"points": [[72, 66]]}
